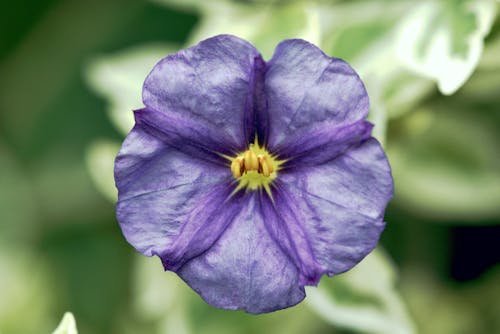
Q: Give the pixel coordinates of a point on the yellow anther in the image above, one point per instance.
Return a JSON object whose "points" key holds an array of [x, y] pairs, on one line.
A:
{"points": [[265, 167], [251, 160], [237, 167], [269, 164]]}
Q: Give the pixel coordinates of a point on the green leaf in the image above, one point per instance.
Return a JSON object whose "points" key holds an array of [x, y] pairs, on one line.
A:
{"points": [[404, 91], [67, 325], [119, 79], [364, 299], [443, 40], [354, 39], [351, 29]]}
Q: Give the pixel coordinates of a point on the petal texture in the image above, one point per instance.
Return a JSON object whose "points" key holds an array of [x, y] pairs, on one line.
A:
{"points": [[334, 211], [309, 94], [211, 84], [183, 134], [168, 202], [245, 268]]}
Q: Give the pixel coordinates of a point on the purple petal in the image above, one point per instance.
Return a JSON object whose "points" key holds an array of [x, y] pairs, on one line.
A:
{"points": [[308, 92], [323, 144], [184, 135], [245, 268], [338, 208], [286, 226], [169, 203], [211, 84]]}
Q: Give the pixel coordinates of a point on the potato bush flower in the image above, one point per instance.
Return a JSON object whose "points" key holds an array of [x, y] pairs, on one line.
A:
{"points": [[251, 179]]}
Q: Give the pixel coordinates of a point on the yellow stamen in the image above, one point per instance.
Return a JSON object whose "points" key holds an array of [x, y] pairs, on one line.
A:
{"points": [[264, 165], [237, 167], [270, 165], [251, 161]]}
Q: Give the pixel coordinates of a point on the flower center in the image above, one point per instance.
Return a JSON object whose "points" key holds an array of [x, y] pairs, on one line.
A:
{"points": [[255, 168]]}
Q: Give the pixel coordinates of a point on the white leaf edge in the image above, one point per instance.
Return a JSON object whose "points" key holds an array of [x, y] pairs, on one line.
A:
{"points": [[67, 325], [450, 72], [99, 159]]}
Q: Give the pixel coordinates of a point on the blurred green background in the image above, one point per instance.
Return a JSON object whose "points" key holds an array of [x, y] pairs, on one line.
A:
{"points": [[70, 74]]}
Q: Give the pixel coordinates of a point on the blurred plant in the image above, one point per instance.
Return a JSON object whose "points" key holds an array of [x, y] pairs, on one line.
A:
{"points": [[119, 78], [364, 299], [100, 163], [26, 302], [446, 162], [163, 299], [18, 205], [445, 309]]}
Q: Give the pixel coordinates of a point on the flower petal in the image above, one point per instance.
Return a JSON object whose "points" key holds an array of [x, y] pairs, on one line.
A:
{"points": [[308, 92], [245, 268], [185, 135], [323, 144], [169, 203], [211, 84], [286, 226], [338, 208]]}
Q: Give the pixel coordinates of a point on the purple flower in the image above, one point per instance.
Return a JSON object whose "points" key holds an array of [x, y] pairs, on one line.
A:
{"points": [[252, 179]]}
